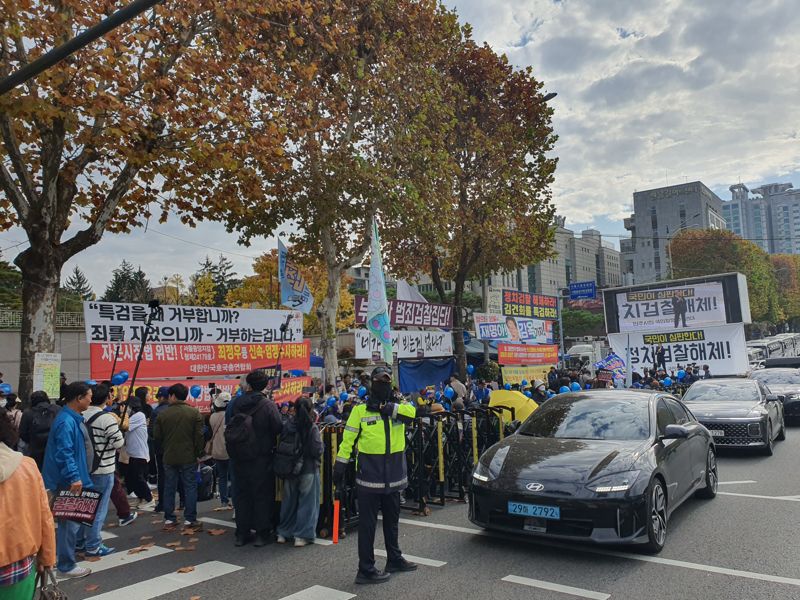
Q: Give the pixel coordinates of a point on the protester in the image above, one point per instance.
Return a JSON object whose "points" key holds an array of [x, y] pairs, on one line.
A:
{"points": [[162, 396], [300, 500], [539, 393], [13, 404], [34, 427], [250, 440], [459, 388], [28, 540], [706, 372], [138, 455], [106, 439], [179, 430], [66, 466], [216, 446]]}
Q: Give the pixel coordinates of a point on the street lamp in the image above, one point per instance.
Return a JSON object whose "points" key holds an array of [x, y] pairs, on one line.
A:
{"points": [[548, 97]]}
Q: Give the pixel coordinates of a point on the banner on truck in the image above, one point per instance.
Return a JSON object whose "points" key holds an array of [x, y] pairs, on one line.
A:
{"points": [[406, 344], [698, 305], [520, 354], [722, 348], [499, 328], [117, 322]]}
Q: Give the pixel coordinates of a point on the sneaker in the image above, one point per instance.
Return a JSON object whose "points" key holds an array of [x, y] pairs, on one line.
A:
{"points": [[75, 573], [281, 539], [102, 550], [169, 523], [196, 525], [148, 505], [80, 548], [299, 543], [129, 519]]}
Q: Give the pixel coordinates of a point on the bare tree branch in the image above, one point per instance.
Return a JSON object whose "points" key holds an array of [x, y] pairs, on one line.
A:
{"points": [[12, 192], [17, 162]]}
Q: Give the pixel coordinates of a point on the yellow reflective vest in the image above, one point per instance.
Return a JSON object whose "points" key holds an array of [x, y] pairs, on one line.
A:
{"points": [[381, 444]]}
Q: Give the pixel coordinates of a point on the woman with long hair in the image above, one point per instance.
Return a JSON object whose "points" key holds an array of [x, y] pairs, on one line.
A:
{"points": [[300, 502], [138, 455]]}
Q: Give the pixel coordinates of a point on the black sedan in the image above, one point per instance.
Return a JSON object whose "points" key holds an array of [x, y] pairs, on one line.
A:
{"points": [[739, 413], [784, 382], [606, 466]]}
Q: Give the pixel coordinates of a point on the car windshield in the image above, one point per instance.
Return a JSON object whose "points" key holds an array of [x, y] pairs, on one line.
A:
{"points": [[590, 419], [771, 376], [723, 391]]}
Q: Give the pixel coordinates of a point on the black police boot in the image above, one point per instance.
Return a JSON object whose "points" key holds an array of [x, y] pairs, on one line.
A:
{"points": [[372, 577], [401, 566], [263, 538], [241, 540]]}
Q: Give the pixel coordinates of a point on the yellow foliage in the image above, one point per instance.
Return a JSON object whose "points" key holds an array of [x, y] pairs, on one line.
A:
{"points": [[204, 290]]}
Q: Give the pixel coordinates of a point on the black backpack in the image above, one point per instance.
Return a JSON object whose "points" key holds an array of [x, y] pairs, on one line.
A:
{"points": [[97, 454], [241, 439], [287, 461], [40, 425], [205, 483]]}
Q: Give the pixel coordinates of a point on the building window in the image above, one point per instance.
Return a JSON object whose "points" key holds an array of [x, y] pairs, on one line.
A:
{"points": [[653, 218]]}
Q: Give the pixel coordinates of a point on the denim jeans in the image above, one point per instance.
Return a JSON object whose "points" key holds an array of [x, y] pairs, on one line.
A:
{"points": [[221, 467], [300, 507], [66, 537], [186, 474], [89, 535]]}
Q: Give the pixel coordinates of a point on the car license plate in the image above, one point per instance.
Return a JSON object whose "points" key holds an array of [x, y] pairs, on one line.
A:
{"points": [[535, 525], [534, 510], [716, 432]]}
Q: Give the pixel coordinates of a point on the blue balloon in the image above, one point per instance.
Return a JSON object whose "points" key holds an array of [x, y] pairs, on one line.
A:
{"points": [[470, 369], [550, 393], [563, 389], [6, 388], [575, 386], [507, 386], [524, 383], [195, 391], [88, 382], [588, 386], [449, 392], [681, 374], [667, 381], [343, 396], [362, 391], [125, 375], [331, 402], [117, 380], [529, 395], [437, 395]]}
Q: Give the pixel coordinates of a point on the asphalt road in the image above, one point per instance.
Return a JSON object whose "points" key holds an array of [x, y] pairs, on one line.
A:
{"points": [[741, 545]]}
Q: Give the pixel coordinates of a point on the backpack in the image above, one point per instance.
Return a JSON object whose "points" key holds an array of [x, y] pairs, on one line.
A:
{"points": [[205, 483], [97, 454], [241, 439], [287, 462], [40, 426]]}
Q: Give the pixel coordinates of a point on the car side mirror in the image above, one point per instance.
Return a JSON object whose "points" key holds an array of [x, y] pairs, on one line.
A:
{"points": [[674, 432], [773, 397]]}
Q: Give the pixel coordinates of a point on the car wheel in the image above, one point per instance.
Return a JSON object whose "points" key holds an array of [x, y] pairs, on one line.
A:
{"points": [[782, 432], [656, 517], [769, 447], [712, 477]]}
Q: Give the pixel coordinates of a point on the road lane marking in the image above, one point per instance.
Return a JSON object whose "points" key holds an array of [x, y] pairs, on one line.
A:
{"points": [[589, 550], [121, 558], [107, 535], [759, 497], [319, 592], [556, 587], [171, 582], [428, 562], [737, 482], [232, 525]]}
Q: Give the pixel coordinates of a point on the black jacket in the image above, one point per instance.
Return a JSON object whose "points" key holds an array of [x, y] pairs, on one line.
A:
{"points": [[312, 447], [267, 420]]}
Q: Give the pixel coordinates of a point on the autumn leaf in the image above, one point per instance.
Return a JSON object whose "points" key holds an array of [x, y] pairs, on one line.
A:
{"points": [[92, 587], [172, 544], [92, 558], [194, 597], [216, 531], [185, 548], [185, 570], [146, 537], [192, 540]]}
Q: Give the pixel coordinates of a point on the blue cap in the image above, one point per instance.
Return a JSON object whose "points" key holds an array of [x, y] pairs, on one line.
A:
{"points": [[163, 392]]}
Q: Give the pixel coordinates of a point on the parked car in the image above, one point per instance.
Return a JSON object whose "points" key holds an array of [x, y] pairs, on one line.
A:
{"points": [[785, 383]]}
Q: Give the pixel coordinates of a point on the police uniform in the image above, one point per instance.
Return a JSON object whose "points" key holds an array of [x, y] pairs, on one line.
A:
{"points": [[379, 436]]}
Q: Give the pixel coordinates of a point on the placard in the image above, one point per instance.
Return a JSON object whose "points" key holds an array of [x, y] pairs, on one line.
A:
{"points": [[405, 313], [521, 354], [612, 364], [516, 375], [722, 348], [499, 328], [698, 305], [47, 373], [192, 360], [406, 344], [522, 304], [118, 322]]}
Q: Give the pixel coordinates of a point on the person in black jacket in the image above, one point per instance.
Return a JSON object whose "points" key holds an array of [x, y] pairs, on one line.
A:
{"points": [[34, 427], [255, 481]]}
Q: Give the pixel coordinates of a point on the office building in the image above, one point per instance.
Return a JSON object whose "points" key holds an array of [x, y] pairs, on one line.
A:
{"points": [[768, 215], [659, 214]]}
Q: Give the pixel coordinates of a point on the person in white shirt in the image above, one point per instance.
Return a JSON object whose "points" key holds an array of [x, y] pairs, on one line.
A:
{"points": [[139, 455]]}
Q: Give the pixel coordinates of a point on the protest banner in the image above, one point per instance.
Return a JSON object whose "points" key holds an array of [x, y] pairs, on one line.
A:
{"points": [[612, 364], [722, 348], [406, 344], [521, 354], [190, 360], [522, 304], [516, 375], [698, 305], [118, 322], [500, 328], [47, 373], [405, 313]]}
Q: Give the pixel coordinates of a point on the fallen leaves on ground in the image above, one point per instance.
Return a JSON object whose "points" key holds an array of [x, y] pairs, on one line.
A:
{"points": [[185, 570], [92, 587], [146, 537], [185, 548], [193, 540], [172, 544], [138, 549], [92, 558], [194, 598], [216, 531]]}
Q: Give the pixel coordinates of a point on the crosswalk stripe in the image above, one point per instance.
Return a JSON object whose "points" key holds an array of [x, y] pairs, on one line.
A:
{"points": [[556, 587], [319, 592], [428, 562], [232, 525], [171, 582], [107, 535], [117, 559]]}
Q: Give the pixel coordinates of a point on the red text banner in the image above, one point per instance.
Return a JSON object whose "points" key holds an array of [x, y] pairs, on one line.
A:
{"points": [[191, 360], [521, 354]]}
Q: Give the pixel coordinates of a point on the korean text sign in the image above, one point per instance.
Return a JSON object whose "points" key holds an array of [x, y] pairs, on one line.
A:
{"points": [[499, 328], [407, 344], [532, 306], [520, 354], [404, 313], [118, 322], [672, 308]]}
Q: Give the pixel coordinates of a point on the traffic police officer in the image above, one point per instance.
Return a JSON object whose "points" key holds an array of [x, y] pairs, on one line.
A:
{"points": [[378, 427]]}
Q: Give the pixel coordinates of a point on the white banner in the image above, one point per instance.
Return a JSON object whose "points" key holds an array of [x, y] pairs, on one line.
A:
{"points": [[109, 322], [671, 308], [517, 330], [407, 344], [722, 348]]}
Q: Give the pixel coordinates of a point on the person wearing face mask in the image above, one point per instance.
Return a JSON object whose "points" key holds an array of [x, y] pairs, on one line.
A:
{"points": [[378, 426]]}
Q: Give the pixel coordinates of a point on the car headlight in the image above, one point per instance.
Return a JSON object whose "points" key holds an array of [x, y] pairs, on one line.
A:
{"points": [[484, 472], [757, 413], [617, 482]]}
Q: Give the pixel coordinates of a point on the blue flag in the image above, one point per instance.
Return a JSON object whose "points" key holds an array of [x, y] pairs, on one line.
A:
{"points": [[294, 289], [377, 305]]}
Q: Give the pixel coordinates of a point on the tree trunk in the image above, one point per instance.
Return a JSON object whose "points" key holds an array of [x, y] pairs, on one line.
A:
{"points": [[458, 329], [41, 275], [328, 309], [485, 304]]}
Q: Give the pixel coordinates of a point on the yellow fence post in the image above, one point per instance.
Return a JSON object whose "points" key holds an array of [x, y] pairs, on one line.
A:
{"points": [[441, 451], [475, 439]]}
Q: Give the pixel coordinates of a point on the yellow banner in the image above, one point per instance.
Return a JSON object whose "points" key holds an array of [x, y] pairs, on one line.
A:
{"points": [[515, 375]]}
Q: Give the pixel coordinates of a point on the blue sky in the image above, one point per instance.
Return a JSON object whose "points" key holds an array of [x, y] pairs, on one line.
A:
{"points": [[649, 92]]}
